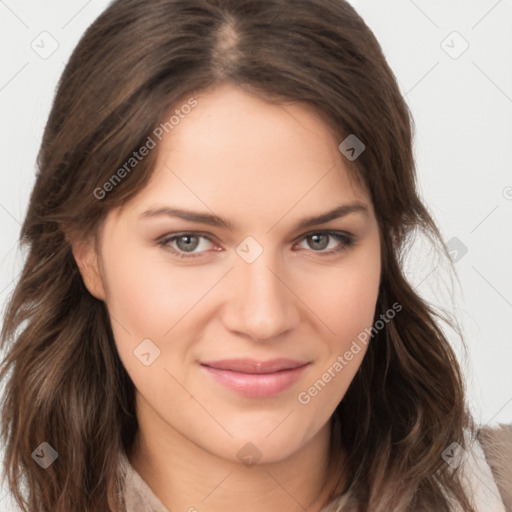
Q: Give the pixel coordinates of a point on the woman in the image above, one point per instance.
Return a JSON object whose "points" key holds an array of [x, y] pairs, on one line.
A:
{"points": [[213, 313]]}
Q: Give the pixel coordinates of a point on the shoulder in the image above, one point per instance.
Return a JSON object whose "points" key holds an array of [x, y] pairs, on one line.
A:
{"points": [[496, 444], [486, 471]]}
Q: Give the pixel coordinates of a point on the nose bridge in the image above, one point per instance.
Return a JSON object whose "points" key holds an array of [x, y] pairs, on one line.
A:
{"points": [[262, 305]]}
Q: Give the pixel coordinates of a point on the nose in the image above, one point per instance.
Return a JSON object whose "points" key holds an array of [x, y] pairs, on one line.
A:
{"points": [[261, 304]]}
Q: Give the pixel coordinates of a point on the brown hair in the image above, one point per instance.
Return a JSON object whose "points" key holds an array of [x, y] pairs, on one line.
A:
{"points": [[138, 60]]}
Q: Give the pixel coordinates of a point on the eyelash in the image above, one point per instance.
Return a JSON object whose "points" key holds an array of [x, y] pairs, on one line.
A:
{"points": [[347, 240]]}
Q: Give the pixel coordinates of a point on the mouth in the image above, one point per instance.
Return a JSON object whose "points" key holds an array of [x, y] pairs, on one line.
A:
{"points": [[252, 378]]}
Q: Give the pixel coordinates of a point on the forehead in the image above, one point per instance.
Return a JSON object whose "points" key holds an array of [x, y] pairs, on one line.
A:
{"points": [[238, 153]]}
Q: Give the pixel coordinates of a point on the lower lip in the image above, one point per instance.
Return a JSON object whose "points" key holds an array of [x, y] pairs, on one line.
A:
{"points": [[256, 385]]}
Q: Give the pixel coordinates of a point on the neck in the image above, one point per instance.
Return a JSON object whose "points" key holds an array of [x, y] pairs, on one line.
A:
{"points": [[186, 477]]}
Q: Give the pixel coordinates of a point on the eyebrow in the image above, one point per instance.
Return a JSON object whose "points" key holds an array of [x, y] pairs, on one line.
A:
{"points": [[214, 220]]}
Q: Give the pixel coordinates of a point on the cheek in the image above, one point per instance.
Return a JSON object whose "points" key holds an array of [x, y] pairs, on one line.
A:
{"points": [[146, 294], [347, 308], [146, 298], [345, 296]]}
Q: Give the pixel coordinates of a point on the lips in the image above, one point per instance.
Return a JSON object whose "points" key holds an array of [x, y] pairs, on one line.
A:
{"points": [[253, 366], [252, 378]]}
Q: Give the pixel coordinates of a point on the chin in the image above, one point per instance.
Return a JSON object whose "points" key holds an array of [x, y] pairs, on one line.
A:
{"points": [[263, 445]]}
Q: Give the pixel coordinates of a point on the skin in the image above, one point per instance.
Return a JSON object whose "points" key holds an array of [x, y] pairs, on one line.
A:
{"points": [[264, 168]]}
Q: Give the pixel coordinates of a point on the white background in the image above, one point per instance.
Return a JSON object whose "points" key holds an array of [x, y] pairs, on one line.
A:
{"points": [[462, 108]]}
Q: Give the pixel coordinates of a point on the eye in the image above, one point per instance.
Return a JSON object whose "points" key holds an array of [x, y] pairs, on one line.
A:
{"points": [[321, 240], [186, 243]]}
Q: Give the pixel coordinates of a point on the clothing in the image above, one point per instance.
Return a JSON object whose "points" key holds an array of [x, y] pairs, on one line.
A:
{"points": [[497, 446], [486, 470]]}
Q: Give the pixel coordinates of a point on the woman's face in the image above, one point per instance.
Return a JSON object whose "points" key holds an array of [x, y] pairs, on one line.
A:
{"points": [[240, 335]]}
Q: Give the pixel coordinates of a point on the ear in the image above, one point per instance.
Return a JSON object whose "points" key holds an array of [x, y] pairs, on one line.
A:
{"points": [[86, 257]]}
